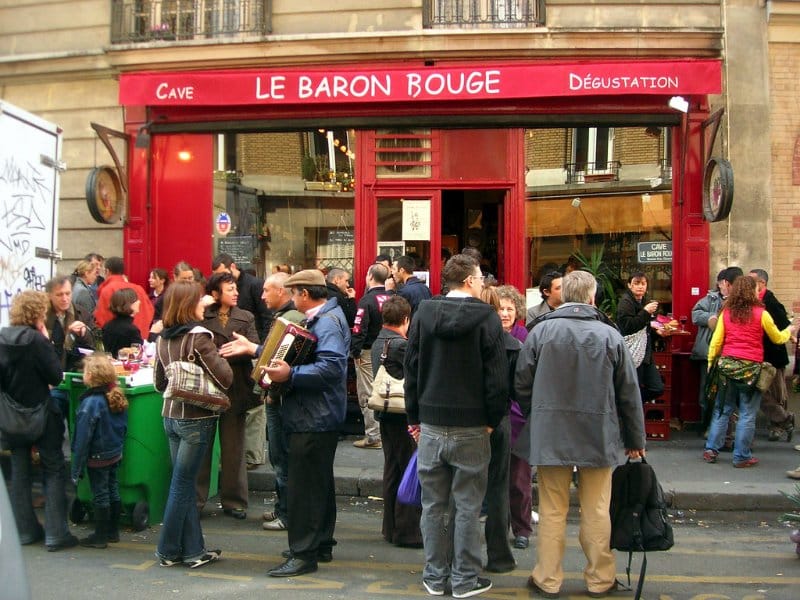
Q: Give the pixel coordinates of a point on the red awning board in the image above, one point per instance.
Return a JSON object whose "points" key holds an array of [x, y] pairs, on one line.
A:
{"points": [[380, 84]]}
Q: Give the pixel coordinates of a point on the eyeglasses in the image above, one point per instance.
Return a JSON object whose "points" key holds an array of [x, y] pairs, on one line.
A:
{"points": [[481, 277]]}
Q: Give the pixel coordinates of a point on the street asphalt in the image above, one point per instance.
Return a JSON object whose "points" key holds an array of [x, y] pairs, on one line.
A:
{"points": [[688, 482]]}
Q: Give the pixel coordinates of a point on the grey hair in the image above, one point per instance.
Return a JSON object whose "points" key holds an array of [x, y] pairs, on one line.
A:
{"points": [[760, 274], [578, 286]]}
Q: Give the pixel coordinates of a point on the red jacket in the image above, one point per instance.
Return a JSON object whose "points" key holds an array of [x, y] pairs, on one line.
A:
{"points": [[103, 314]]}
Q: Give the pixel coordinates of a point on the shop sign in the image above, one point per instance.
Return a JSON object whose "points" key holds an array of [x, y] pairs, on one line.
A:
{"points": [[347, 85], [654, 252], [223, 224]]}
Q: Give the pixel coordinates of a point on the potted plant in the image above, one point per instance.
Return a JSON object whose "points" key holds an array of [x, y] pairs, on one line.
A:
{"points": [[605, 279], [793, 517]]}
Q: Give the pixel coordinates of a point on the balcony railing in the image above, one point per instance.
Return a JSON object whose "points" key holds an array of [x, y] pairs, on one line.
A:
{"points": [[590, 172], [465, 14], [150, 20]]}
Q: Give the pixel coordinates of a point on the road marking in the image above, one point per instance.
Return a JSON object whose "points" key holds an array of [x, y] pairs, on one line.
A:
{"points": [[140, 567], [307, 583], [220, 576]]}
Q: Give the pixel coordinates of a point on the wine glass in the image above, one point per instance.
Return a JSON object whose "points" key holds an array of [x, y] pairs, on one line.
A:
{"points": [[683, 319], [137, 350]]}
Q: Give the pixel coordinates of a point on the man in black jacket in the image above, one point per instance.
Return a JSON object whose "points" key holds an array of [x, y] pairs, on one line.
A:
{"points": [[250, 289], [456, 391], [367, 326], [774, 400], [337, 281], [410, 286]]}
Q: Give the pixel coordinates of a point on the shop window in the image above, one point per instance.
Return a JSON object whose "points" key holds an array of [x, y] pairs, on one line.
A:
{"points": [[592, 156], [613, 236], [289, 198], [391, 241]]}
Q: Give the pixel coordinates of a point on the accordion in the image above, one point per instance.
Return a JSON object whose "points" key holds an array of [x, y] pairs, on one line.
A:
{"points": [[286, 341]]}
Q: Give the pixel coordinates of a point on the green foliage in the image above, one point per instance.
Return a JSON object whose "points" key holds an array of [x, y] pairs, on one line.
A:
{"points": [[594, 264], [792, 517]]}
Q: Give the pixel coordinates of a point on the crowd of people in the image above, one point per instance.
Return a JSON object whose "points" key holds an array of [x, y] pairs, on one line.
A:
{"points": [[477, 437]]}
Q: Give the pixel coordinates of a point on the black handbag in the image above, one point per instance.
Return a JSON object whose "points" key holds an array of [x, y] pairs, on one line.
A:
{"points": [[21, 424]]}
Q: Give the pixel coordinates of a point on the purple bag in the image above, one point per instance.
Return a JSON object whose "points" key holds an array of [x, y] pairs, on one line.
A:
{"points": [[410, 491]]}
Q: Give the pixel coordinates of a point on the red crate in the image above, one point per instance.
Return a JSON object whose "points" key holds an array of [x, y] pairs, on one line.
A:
{"points": [[657, 430]]}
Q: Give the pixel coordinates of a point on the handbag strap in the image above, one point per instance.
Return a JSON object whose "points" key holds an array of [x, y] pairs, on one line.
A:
{"points": [[385, 352]]}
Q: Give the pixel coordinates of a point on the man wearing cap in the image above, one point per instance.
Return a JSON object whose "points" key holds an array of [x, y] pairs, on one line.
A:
{"points": [[313, 409]]}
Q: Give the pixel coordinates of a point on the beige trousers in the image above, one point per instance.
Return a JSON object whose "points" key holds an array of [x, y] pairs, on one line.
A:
{"points": [[255, 436], [372, 429], [594, 494]]}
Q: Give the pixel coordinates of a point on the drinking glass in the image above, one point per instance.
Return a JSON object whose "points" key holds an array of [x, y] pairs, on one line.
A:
{"points": [[683, 319]]}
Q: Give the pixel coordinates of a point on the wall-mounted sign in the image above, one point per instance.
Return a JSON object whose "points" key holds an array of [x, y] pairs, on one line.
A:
{"points": [[717, 190], [416, 219], [223, 223], [484, 81], [654, 252], [104, 195]]}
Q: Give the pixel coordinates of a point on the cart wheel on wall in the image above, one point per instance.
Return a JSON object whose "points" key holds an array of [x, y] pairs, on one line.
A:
{"points": [[77, 512], [140, 517]]}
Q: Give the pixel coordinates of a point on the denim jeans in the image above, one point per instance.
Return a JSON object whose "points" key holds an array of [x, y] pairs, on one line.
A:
{"points": [[181, 534], [104, 484], [748, 399], [54, 475], [278, 448], [452, 464]]}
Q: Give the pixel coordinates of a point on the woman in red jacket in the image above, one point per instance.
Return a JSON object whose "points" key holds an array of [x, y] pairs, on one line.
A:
{"points": [[738, 335]]}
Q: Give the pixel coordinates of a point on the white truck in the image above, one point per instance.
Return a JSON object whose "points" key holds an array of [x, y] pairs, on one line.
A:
{"points": [[30, 166]]}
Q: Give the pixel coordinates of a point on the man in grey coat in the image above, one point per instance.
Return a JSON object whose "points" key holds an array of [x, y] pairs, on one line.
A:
{"points": [[577, 421]]}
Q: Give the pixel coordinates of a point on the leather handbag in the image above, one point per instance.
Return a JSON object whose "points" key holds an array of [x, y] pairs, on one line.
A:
{"points": [[637, 344], [21, 424], [188, 382], [388, 394]]}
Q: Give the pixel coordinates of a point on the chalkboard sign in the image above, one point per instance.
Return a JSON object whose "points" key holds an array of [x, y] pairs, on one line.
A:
{"points": [[241, 248]]}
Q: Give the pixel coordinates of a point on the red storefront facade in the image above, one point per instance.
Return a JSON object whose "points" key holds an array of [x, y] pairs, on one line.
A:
{"points": [[477, 113]]}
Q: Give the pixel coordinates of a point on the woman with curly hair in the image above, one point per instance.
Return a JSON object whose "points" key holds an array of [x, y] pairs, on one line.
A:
{"points": [[739, 336], [101, 423], [29, 365]]}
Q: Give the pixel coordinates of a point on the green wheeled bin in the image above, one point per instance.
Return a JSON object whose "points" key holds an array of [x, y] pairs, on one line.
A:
{"points": [[146, 468]]}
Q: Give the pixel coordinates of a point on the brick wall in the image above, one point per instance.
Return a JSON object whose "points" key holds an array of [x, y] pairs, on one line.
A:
{"points": [[633, 147], [270, 153], [785, 126], [545, 148]]}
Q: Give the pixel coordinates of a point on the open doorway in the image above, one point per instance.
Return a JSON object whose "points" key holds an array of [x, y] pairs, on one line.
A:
{"points": [[473, 218]]}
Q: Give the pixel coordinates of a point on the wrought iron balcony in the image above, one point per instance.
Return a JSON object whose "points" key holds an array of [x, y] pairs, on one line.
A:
{"points": [[466, 14], [592, 172], [149, 20]]}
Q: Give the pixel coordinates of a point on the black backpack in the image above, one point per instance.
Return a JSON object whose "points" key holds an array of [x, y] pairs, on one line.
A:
{"points": [[639, 520]]}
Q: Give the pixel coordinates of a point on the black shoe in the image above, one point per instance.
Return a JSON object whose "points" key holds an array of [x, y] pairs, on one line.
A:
{"points": [[293, 567], [521, 542], [236, 513], [207, 558], [68, 542], [481, 585], [539, 591], [500, 568], [323, 556]]}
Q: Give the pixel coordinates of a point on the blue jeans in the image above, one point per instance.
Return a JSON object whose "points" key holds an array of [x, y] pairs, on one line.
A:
{"points": [[452, 464], [104, 484], [278, 448], [748, 399], [54, 475], [181, 534]]}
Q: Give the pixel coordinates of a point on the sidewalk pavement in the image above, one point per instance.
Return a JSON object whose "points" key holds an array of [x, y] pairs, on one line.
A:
{"points": [[688, 482]]}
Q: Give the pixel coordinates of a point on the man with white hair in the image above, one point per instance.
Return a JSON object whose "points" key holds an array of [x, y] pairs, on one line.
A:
{"points": [[597, 402]]}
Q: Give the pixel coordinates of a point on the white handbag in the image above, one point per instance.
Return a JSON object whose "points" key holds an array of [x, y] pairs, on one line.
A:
{"points": [[387, 391]]}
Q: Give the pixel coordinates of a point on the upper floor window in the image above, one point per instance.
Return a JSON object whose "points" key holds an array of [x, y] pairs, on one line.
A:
{"points": [[149, 20], [482, 13]]}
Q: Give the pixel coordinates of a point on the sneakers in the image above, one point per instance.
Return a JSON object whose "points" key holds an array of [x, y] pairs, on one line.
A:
{"points": [[750, 462], [434, 589], [166, 562], [710, 456], [481, 585], [367, 443], [275, 524], [209, 557], [793, 474], [68, 542], [520, 542], [269, 515]]}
